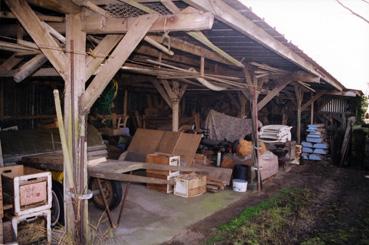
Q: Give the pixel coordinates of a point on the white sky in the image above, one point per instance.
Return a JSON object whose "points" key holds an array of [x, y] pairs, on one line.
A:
{"points": [[324, 30]]}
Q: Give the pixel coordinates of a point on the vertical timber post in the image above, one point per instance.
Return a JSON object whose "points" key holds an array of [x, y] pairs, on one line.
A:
{"points": [[76, 212], [299, 97], [175, 114], [312, 113]]}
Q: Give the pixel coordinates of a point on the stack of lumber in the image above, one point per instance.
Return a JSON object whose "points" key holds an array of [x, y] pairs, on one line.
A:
{"points": [[315, 147], [162, 158], [27, 199], [275, 133]]}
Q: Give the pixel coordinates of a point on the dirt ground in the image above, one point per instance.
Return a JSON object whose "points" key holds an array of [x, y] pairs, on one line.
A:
{"points": [[338, 211]]}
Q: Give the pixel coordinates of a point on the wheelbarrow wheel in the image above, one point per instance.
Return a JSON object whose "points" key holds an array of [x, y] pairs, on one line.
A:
{"points": [[57, 208], [112, 192]]}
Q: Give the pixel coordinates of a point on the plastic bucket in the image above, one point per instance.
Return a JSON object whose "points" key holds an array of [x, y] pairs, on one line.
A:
{"points": [[239, 185]]}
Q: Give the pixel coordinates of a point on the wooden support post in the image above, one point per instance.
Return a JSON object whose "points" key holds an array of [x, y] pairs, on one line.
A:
{"points": [[125, 103], [242, 101], [312, 113], [299, 97], [172, 95], [76, 214], [175, 115], [2, 87], [254, 117]]}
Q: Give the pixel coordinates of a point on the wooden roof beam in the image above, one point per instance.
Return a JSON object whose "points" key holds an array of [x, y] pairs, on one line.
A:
{"points": [[97, 24], [200, 37], [64, 6], [271, 94], [36, 29], [190, 48]]}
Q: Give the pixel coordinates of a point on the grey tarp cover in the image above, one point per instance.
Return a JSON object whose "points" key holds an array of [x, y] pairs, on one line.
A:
{"points": [[222, 126]]}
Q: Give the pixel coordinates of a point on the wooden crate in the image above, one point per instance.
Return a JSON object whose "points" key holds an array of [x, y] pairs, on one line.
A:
{"points": [[166, 159], [168, 188], [190, 185], [27, 189], [162, 158], [33, 227]]}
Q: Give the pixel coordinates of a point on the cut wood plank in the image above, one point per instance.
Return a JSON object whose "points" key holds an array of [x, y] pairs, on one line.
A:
{"points": [[97, 24], [29, 67], [119, 56], [36, 30]]}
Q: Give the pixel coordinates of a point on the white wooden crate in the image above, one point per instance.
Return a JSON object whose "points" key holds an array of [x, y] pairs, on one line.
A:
{"points": [[27, 189], [20, 223]]}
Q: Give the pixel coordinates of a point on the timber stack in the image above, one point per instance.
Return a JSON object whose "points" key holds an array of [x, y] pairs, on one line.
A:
{"points": [[315, 147]]}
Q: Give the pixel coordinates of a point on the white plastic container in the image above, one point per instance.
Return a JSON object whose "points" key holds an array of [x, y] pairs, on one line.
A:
{"points": [[239, 185]]}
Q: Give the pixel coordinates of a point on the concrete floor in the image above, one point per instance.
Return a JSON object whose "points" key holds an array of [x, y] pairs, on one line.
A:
{"points": [[150, 217]]}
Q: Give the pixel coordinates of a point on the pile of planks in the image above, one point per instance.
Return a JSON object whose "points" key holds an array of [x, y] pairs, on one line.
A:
{"points": [[315, 147]]}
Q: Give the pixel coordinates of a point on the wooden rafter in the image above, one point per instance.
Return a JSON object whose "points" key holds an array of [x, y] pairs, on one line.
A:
{"points": [[29, 67], [196, 35], [271, 94], [126, 46], [199, 36], [11, 62], [98, 55], [39, 34], [230, 16], [190, 48], [312, 100]]}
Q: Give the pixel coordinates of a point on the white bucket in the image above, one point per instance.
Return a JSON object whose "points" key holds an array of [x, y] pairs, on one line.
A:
{"points": [[239, 185]]}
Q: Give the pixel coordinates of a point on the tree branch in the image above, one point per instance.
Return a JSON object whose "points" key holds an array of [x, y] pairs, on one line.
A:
{"points": [[353, 12]]}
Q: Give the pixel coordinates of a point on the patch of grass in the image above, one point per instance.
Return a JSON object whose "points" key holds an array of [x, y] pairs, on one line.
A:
{"points": [[262, 223]]}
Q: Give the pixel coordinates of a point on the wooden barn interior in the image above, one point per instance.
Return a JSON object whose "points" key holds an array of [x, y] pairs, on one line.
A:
{"points": [[78, 79]]}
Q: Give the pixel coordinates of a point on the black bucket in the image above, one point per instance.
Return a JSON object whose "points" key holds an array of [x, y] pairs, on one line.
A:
{"points": [[240, 171]]}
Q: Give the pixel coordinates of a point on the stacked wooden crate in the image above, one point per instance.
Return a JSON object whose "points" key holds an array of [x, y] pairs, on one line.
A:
{"points": [[162, 158], [27, 203]]}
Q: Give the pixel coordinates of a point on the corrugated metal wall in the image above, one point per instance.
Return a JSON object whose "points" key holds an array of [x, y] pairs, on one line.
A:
{"points": [[335, 105]]}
